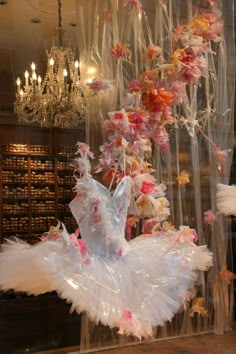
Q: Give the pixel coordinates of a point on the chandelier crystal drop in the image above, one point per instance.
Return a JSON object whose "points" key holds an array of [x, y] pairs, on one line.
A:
{"points": [[57, 100]]}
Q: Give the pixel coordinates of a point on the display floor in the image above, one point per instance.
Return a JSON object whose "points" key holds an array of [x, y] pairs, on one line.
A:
{"points": [[200, 344]]}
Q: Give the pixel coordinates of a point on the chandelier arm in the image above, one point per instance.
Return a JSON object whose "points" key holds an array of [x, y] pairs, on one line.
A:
{"points": [[59, 23], [59, 13]]}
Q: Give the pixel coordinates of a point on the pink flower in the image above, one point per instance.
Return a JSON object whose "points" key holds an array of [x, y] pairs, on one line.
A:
{"points": [[43, 238], [147, 187], [135, 86], [120, 252], [120, 50], [153, 51], [178, 88], [84, 150], [83, 247], [161, 138], [87, 261], [209, 217], [127, 315], [74, 237], [99, 85], [192, 68], [108, 16], [119, 122]]}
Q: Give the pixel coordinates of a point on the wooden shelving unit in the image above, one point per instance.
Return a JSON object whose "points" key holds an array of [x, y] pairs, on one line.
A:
{"points": [[36, 180]]}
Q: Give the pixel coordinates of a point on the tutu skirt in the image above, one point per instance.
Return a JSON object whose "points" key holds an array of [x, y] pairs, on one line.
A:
{"points": [[134, 291]]}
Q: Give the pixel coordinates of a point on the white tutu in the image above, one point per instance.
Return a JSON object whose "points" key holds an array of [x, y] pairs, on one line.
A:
{"points": [[129, 285], [142, 288], [226, 199]]}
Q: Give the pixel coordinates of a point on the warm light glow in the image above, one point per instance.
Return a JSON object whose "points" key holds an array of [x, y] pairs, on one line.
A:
{"points": [[21, 92], [33, 66], [34, 76], [91, 70], [51, 61], [76, 64], [39, 79], [26, 74], [18, 81], [65, 72]]}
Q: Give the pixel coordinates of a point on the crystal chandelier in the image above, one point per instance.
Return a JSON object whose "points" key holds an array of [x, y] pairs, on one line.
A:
{"points": [[58, 99]]}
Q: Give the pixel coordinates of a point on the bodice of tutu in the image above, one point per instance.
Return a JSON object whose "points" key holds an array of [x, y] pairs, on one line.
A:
{"points": [[101, 216]]}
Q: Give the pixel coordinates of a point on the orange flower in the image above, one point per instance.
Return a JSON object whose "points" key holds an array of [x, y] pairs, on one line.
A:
{"points": [[183, 178], [121, 142], [157, 101], [177, 56], [132, 220], [200, 25], [169, 70], [120, 50], [148, 79], [108, 176], [226, 275], [146, 205], [197, 307]]}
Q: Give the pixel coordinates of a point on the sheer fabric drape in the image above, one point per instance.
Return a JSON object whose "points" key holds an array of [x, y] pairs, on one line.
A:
{"points": [[100, 25]]}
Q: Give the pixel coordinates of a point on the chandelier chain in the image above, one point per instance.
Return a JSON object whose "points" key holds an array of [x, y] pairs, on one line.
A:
{"points": [[59, 14]]}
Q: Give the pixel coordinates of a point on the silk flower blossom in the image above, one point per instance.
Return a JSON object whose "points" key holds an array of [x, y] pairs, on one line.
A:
{"points": [[100, 86], [149, 207]]}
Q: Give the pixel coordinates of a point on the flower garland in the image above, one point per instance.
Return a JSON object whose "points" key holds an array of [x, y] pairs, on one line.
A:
{"points": [[149, 113]]}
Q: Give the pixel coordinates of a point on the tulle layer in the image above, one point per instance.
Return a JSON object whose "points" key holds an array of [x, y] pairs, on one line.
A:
{"points": [[143, 287], [226, 199]]}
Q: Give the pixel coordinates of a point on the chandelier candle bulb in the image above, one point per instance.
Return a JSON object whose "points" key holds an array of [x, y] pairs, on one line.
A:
{"points": [[65, 78], [76, 68], [33, 67], [76, 64], [21, 95], [34, 77], [26, 79], [51, 63], [39, 83], [18, 85]]}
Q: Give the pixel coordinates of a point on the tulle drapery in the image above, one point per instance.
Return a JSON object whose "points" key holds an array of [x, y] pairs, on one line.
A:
{"points": [[207, 129]]}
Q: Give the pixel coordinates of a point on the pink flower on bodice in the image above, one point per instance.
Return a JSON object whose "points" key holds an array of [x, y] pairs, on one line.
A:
{"points": [[83, 247]]}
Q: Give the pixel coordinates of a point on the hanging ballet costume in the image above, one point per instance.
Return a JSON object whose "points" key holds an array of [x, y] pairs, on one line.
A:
{"points": [[133, 285]]}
